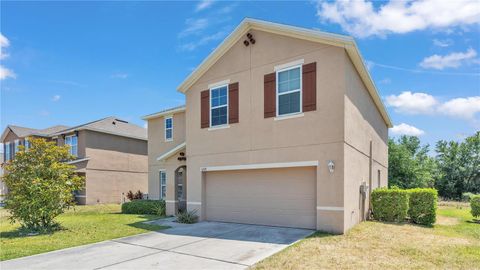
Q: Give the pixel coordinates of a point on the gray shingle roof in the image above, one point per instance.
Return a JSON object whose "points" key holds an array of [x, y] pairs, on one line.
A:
{"points": [[111, 125]]}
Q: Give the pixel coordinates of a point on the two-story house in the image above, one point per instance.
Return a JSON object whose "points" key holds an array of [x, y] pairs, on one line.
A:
{"points": [[282, 126], [111, 155]]}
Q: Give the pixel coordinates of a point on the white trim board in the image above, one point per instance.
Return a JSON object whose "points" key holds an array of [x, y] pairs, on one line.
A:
{"points": [[194, 203], [172, 152], [260, 166]]}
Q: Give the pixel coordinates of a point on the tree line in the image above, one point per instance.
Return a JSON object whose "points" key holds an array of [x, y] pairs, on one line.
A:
{"points": [[453, 169]]}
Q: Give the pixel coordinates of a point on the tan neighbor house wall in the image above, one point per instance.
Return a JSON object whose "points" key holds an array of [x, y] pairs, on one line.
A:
{"points": [[117, 165], [316, 136]]}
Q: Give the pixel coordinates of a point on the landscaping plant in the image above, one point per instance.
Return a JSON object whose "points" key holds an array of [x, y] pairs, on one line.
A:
{"points": [[187, 217], [40, 185], [475, 206], [146, 207], [422, 205], [389, 204], [134, 196]]}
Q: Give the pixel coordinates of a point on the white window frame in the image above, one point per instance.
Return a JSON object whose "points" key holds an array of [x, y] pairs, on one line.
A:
{"points": [[76, 146], [288, 92], [8, 153], [26, 144], [16, 145], [160, 195], [165, 128], [211, 108]]}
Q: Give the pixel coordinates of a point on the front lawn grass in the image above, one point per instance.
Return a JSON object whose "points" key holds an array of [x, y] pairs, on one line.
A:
{"points": [[452, 243], [81, 225]]}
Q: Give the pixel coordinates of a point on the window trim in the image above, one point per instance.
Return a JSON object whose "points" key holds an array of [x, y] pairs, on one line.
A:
{"points": [[8, 155], [277, 94], [160, 195], [210, 105], [16, 144], [26, 144], [70, 150], [165, 128]]}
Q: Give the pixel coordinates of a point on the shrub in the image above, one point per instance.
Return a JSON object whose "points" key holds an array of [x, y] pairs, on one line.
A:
{"points": [[144, 207], [467, 196], [475, 205], [40, 185], [422, 205], [187, 217], [389, 204]]}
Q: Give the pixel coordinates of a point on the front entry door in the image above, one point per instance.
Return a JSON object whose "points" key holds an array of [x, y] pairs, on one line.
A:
{"points": [[181, 188]]}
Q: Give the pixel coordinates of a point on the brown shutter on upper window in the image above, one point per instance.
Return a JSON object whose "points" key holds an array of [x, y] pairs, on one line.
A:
{"points": [[205, 108], [233, 103], [269, 96], [309, 85]]}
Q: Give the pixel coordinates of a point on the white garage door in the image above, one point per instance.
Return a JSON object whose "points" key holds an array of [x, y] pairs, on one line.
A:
{"points": [[276, 197]]}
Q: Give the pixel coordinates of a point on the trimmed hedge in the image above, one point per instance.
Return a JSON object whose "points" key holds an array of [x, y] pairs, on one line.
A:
{"points": [[475, 205], [390, 204], [422, 205], [467, 196], [144, 207]]}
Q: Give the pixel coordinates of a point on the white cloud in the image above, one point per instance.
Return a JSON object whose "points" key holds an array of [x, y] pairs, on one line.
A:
{"points": [[203, 5], [4, 42], [452, 60], [6, 73], [465, 108], [119, 75], [362, 19], [193, 26], [412, 103], [385, 81], [405, 129], [56, 98], [193, 45], [442, 42]]}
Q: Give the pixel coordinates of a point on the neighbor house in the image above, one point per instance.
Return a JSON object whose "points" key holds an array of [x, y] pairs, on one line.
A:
{"points": [[282, 126], [110, 153]]}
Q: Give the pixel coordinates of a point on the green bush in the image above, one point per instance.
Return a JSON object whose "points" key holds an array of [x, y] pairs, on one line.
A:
{"points": [[467, 196], [475, 205], [187, 217], [144, 207], [389, 204], [422, 205]]}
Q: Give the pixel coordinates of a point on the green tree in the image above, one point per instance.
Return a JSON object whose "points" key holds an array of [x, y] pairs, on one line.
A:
{"points": [[458, 167], [40, 185], [409, 165]]}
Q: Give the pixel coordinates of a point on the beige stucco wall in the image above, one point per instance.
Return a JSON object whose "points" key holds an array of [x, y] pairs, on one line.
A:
{"points": [[317, 136], [157, 146], [116, 165], [363, 124]]}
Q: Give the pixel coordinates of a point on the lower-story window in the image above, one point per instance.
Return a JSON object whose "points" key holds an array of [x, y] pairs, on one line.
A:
{"points": [[163, 185]]}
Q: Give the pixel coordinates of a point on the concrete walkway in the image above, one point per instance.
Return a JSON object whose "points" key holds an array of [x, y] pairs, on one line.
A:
{"points": [[205, 245]]}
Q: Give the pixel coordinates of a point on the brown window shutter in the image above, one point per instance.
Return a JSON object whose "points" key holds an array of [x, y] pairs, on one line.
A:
{"points": [[309, 85], [205, 108], [233, 103], [269, 95]]}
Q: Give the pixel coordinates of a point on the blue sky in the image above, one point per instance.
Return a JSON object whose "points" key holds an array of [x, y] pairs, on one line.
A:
{"points": [[71, 62]]}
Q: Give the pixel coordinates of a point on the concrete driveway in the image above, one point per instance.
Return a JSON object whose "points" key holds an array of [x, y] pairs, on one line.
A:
{"points": [[205, 245]]}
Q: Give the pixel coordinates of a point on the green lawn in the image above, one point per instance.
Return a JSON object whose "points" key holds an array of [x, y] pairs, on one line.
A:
{"points": [[453, 243], [82, 225]]}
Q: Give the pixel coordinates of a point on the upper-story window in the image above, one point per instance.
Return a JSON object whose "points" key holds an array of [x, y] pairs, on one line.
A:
{"points": [[72, 141], [8, 153], [219, 106], [289, 90], [169, 128]]}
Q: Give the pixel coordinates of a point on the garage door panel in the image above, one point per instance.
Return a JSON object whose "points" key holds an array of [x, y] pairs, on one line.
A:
{"points": [[278, 197]]}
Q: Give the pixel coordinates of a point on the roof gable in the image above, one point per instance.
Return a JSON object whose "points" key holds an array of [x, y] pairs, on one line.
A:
{"points": [[345, 42]]}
